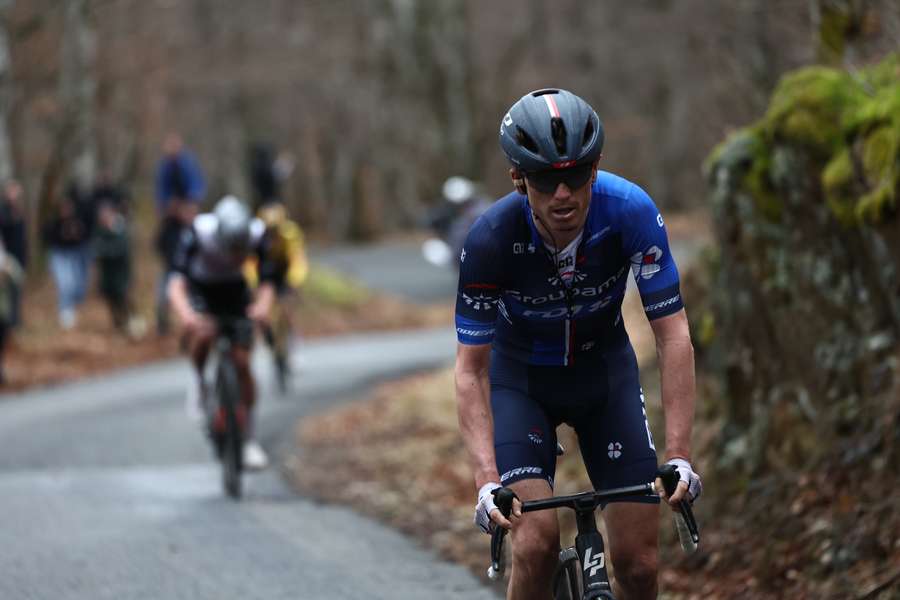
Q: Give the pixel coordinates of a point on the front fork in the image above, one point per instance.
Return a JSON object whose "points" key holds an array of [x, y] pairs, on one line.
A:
{"points": [[592, 554]]}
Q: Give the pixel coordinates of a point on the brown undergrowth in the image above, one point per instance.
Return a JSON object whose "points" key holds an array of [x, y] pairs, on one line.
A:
{"points": [[40, 353]]}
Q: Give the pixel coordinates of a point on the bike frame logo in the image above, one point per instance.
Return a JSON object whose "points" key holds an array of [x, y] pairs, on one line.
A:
{"points": [[595, 563]]}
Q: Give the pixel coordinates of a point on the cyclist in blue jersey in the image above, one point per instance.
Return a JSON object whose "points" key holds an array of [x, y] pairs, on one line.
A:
{"points": [[541, 342]]}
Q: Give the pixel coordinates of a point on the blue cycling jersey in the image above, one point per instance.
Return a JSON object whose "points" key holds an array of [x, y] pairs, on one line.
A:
{"points": [[511, 294]]}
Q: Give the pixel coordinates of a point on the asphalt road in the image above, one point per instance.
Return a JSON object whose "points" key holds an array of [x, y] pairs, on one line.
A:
{"points": [[107, 491], [394, 266]]}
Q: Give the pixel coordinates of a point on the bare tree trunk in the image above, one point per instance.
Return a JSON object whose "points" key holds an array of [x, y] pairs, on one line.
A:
{"points": [[78, 88], [7, 168]]}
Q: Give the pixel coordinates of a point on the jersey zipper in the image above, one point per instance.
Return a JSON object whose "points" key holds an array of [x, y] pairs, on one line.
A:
{"points": [[569, 357]]}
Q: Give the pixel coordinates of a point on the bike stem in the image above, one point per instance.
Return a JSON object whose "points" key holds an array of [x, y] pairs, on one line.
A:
{"points": [[591, 552]]}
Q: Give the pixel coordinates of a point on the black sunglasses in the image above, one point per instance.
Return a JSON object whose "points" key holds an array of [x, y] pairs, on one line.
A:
{"points": [[547, 181]]}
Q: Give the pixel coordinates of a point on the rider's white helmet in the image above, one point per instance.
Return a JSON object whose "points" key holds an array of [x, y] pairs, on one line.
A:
{"points": [[233, 225], [458, 189]]}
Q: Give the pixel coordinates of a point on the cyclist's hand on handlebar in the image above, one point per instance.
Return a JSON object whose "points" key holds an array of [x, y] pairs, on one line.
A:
{"points": [[199, 324], [487, 515], [259, 313], [689, 484]]}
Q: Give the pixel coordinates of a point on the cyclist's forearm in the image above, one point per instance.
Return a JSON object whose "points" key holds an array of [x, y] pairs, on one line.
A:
{"points": [[676, 365], [476, 424], [266, 294], [178, 296]]}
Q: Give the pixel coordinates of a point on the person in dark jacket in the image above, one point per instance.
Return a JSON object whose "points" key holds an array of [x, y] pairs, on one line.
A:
{"points": [[180, 187], [10, 281], [108, 191], [112, 247], [14, 235]]}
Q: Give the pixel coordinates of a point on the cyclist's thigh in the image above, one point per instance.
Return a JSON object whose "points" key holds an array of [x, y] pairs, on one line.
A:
{"points": [[524, 436], [615, 438], [632, 532], [539, 529]]}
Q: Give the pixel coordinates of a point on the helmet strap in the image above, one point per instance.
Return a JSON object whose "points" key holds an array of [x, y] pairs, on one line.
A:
{"points": [[518, 180]]}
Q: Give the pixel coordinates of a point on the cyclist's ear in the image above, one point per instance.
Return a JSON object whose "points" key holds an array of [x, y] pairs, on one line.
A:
{"points": [[518, 180], [594, 171]]}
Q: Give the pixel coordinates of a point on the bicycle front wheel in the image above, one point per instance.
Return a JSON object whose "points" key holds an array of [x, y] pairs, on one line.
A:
{"points": [[567, 581], [233, 438]]}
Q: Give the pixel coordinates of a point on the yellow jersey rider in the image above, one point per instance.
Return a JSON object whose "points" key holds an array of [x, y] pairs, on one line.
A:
{"points": [[286, 247]]}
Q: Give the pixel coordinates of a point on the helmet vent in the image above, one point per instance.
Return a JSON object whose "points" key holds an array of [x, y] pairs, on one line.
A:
{"points": [[525, 140], [588, 133], [558, 133]]}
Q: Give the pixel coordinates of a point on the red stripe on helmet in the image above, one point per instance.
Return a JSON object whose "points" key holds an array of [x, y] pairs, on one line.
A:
{"points": [[551, 104], [564, 164]]}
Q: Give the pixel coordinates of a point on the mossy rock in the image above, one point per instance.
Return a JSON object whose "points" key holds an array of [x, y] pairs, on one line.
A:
{"points": [[837, 181], [827, 115], [808, 106]]}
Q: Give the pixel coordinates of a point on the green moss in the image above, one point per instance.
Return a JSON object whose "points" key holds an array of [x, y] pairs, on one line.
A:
{"points": [[835, 24], [759, 184], [880, 153], [807, 109], [877, 204], [832, 119], [738, 150], [706, 331], [746, 155], [880, 157], [882, 107], [885, 73], [837, 181]]}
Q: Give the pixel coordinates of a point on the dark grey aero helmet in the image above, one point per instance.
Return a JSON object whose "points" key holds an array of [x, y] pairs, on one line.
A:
{"points": [[551, 129]]}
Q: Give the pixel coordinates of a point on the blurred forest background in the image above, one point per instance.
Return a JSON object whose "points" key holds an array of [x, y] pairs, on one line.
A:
{"points": [[378, 101], [781, 120]]}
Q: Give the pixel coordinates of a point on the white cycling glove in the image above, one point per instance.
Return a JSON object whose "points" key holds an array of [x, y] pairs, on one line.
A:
{"points": [[687, 475], [485, 506]]}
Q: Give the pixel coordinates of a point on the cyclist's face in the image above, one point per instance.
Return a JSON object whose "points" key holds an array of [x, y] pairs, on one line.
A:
{"points": [[563, 211]]}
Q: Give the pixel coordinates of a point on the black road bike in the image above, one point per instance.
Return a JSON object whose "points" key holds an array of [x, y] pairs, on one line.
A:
{"points": [[227, 416], [581, 573]]}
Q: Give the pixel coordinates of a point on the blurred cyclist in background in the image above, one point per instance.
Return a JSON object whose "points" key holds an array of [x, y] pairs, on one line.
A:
{"points": [[463, 204], [285, 249], [208, 288]]}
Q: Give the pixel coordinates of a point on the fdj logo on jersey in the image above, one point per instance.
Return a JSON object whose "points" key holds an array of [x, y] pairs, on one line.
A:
{"points": [[646, 264]]}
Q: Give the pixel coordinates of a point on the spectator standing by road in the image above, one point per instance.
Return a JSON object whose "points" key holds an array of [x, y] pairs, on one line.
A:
{"points": [[267, 172], [67, 237], [113, 250], [107, 191], [180, 187], [10, 281], [14, 235]]}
